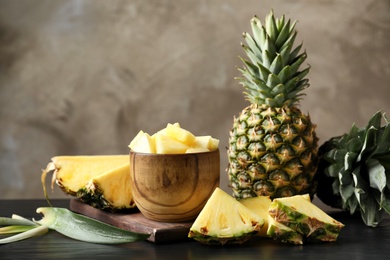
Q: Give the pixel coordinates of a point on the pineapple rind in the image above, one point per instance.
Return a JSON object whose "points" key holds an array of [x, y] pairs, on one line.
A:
{"points": [[280, 232], [272, 152], [213, 240], [102, 191], [83, 176], [305, 218]]}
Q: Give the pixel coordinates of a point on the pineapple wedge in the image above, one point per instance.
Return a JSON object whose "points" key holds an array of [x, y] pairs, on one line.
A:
{"points": [[73, 173], [302, 216], [283, 233], [109, 191], [260, 206], [225, 220]]}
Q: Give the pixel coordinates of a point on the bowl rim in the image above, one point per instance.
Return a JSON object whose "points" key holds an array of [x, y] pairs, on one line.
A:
{"points": [[172, 154]]}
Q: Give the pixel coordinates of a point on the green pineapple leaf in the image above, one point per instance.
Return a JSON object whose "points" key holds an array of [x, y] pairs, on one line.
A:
{"points": [[274, 60], [362, 154]]}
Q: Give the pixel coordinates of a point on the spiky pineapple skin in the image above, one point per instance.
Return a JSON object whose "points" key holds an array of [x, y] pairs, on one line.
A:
{"points": [[95, 198], [285, 235], [93, 195], [272, 152], [309, 227], [212, 240]]}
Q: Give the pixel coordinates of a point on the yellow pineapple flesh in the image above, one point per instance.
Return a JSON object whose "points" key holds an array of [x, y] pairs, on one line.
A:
{"points": [[224, 220], [260, 206], [180, 134], [168, 145], [173, 139], [73, 173], [110, 190], [305, 218]]}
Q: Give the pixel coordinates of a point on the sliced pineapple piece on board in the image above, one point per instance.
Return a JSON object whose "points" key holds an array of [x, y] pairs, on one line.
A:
{"points": [[72, 173], [110, 190], [225, 220], [299, 214]]}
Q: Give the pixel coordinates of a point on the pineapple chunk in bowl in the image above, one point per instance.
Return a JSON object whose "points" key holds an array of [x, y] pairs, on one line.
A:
{"points": [[173, 173]]}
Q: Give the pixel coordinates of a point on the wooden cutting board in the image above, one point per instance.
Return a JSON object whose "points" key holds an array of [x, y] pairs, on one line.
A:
{"points": [[161, 232]]}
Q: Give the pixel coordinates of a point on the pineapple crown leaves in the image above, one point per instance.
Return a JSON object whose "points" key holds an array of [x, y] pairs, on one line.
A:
{"points": [[359, 164], [271, 76]]}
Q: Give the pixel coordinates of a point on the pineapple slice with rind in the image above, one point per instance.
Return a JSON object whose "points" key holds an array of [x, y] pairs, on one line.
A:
{"points": [[72, 173], [225, 220], [260, 206], [283, 233], [299, 214], [110, 190]]}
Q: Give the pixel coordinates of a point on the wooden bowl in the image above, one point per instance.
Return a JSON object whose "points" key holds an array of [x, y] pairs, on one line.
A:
{"points": [[173, 187]]}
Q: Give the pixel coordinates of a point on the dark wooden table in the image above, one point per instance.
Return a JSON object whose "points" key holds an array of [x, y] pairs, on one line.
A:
{"points": [[356, 241]]}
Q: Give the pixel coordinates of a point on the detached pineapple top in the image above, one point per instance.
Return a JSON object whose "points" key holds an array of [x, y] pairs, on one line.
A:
{"points": [[272, 76]]}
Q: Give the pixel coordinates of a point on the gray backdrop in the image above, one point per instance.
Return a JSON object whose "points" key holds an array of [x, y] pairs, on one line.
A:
{"points": [[83, 77]]}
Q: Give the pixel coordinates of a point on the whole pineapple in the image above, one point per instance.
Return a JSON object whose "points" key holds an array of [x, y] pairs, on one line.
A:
{"points": [[272, 145]]}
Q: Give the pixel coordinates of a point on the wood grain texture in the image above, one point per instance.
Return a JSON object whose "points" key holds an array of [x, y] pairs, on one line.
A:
{"points": [[173, 187], [161, 232]]}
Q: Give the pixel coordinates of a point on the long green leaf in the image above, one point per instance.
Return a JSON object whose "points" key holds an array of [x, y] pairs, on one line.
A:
{"points": [[15, 229], [36, 231], [15, 221], [86, 229]]}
